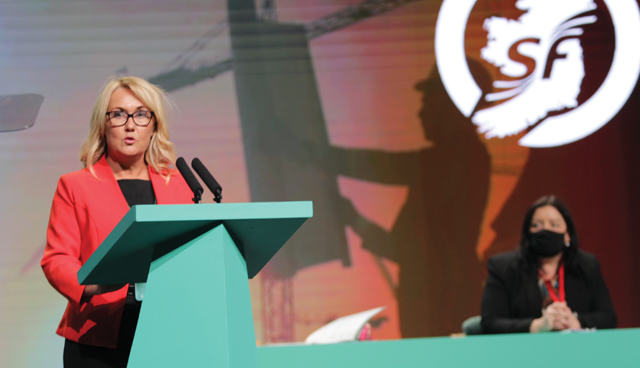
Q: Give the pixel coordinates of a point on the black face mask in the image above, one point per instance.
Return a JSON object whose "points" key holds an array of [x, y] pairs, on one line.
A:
{"points": [[546, 243]]}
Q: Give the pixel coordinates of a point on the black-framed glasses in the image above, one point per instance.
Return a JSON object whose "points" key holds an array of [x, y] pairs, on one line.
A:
{"points": [[141, 118]]}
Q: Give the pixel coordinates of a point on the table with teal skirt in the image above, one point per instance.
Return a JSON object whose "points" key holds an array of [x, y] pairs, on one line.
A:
{"points": [[604, 348]]}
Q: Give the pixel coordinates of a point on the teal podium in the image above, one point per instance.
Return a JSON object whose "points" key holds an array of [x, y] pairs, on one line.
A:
{"points": [[196, 261]]}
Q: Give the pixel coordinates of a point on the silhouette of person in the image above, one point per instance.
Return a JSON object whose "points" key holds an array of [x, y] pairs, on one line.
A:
{"points": [[435, 236]]}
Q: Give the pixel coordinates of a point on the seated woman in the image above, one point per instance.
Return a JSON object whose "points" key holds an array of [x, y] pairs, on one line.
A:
{"points": [[548, 284]]}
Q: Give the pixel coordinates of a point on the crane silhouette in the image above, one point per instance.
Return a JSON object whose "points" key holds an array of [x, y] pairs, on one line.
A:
{"points": [[185, 70]]}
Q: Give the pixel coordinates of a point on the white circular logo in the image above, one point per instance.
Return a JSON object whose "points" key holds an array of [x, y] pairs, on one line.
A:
{"points": [[546, 35]]}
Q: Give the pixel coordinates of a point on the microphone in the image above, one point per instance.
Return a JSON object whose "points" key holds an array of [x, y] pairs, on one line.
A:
{"points": [[208, 179], [191, 180]]}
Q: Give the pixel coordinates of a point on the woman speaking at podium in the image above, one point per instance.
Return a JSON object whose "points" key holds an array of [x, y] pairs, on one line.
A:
{"points": [[126, 160], [548, 284]]}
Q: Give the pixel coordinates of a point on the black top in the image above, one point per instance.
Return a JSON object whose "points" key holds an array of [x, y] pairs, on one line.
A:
{"points": [[137, 191], [512, 298]]}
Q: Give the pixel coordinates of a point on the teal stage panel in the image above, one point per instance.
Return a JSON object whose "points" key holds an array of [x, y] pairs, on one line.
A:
{"points": [[606, 348]]}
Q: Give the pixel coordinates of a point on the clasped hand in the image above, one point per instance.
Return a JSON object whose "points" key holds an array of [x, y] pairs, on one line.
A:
{"points": [[557, 316]]}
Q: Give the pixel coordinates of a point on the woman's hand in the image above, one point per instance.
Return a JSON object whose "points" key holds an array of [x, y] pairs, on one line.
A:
{"points": [[557, 316], [542, 324], [91, 290], [565, 317]]}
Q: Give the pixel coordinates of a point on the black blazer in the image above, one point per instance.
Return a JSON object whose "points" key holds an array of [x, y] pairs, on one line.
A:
{"points": [[512, 299]]}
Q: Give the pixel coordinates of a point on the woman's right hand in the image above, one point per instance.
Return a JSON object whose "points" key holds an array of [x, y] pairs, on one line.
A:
{"points": [[91, 290], [542, 324]]}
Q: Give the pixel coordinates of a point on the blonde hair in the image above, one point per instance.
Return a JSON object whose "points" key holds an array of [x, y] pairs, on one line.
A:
{"points": [[160, 153]]}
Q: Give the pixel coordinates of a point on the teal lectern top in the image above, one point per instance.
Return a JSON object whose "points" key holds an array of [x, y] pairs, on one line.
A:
{"points": [[196, 260]]}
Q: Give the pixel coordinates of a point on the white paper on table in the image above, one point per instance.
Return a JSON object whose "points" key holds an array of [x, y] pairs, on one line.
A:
{"points": [[342, 329]]}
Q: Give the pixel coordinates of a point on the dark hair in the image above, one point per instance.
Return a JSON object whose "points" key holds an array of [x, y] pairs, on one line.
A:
{"points": [[569, 253]]}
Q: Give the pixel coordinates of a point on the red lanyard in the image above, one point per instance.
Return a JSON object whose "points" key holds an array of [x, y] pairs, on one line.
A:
{"points": [[552, 294]]}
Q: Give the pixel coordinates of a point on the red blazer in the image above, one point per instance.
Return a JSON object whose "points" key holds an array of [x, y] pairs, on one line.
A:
{"points": [[84, 211]]}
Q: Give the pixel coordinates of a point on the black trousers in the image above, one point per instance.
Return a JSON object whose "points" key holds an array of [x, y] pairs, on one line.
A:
{"points": [[78, 355]]}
